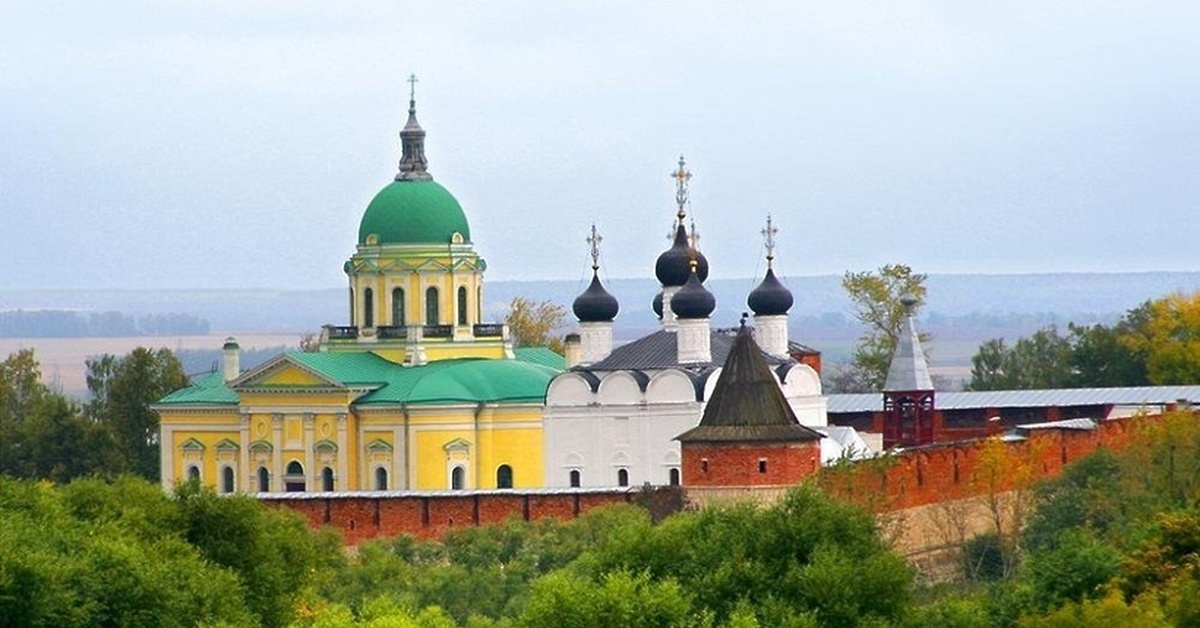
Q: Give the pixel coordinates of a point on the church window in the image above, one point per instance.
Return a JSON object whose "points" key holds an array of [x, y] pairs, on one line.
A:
{"points": [[673, 477], [431, 306], [368, 308], [762, 465], [193, 473], [457, 479], [381, 479], [575, 479], [504, 476], [462, 305], [264, 480], [622, 477], [327, 479], [293, 478], [704, 465], [227, 484], [398, 306]]}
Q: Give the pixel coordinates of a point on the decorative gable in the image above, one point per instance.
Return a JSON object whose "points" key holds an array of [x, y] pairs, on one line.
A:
{"points": [[282, 371]]}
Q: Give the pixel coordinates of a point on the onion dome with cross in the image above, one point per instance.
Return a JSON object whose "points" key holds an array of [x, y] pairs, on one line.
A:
{"points": [[674, 265], [595, 305]]}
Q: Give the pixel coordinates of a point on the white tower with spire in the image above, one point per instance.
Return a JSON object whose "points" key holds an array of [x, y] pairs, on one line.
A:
{"points": [[770, 302]]}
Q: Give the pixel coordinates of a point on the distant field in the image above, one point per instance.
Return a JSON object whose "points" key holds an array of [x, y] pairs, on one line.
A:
{"points": [[62, 359]]}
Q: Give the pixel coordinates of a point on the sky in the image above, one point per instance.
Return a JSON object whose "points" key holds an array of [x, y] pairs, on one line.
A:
{"points": [[210, 145]]}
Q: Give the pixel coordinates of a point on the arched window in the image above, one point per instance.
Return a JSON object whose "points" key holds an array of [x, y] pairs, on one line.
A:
{"points": [[293, 477], [397, 306], [327, 479], [368, 307], [575, 478], [351, 305], [462, 305], [431, 306], [227, 480], [264, 480], [457, 479], [193, 473], [622, 477], [673, 477], [504, 476], [381, 479]]}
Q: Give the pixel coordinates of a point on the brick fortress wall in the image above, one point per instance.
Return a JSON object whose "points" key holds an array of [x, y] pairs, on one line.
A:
{"points": [[363, 516]]}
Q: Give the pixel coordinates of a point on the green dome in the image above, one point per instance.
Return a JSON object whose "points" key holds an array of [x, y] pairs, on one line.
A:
{"points": [[413, 212]]}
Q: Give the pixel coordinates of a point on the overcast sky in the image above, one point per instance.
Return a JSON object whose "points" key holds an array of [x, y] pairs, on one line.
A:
{"points": [[236, 144]]}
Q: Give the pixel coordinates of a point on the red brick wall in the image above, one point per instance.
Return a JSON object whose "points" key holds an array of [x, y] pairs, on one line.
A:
{"points": [[737, 464], [361, 518], [950, 471]]}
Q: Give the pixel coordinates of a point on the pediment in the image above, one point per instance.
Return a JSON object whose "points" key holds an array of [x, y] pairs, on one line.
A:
{"points": [[282, 371]]}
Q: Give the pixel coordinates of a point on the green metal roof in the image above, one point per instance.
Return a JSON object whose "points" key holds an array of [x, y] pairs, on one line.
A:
{"points": [[467, 380], [544, 356], [207, 390], [413, 212]]}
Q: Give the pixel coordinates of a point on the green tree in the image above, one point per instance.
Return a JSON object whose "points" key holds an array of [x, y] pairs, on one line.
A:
{"points": [[1169, 338], [536, 324], [1042, 360], [122, 391], [875, 298]]}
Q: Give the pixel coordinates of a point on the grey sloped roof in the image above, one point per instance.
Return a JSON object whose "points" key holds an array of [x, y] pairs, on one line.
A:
{"points": [[746, 403], [908, 370], [659, 350], [1058, 397]]}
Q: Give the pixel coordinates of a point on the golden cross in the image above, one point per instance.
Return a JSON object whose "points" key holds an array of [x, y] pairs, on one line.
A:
{"points": [[594, 241], [681, 177], [769, 238]]}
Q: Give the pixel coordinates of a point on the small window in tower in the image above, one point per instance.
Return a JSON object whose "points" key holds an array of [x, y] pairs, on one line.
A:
{"points": [[762, 465], [704, 465], [462, 305], [431, 306], [575, 479], [398, 306], [673, 477], [623, 477], [368, 308]]}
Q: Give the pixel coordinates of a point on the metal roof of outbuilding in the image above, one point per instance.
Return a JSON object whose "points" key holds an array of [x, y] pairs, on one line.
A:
{"points": [[1057, 397]]}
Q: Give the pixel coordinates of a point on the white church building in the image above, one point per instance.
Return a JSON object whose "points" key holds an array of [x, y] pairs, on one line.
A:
{"points": [[611, 419]]}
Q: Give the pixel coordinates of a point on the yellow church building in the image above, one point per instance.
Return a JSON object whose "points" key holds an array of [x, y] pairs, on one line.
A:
{"points": [[417, 392]]}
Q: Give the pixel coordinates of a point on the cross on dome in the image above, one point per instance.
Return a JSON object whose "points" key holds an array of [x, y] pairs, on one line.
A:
{"points": [[769, 239], [412, 91], [594, 241], [681, 176], [694, 236]]}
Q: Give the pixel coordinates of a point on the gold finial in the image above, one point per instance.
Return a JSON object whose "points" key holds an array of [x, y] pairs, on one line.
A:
{"points": [[681, 177], [594, 241], [769, 239]]}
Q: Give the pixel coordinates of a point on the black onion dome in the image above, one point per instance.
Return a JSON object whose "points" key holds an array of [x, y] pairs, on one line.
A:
{"points": [[770, 298], [595, 305], [674, 264], [656, 305], [693, 300]]}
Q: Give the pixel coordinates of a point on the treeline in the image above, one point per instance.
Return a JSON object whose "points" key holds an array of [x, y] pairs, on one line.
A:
{"points": [[1114, 541], [1156, 343], [45, 435], [72, 324]]}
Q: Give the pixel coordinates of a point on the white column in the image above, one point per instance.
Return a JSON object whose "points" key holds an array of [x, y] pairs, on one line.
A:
{"points": [[341, 482], [595, 340], [693, 341], [244, 473], [771, 334], [277, 452], [313, 478], [668, 318]]}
